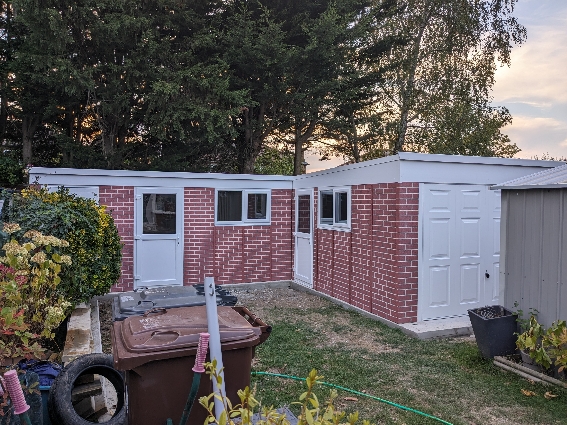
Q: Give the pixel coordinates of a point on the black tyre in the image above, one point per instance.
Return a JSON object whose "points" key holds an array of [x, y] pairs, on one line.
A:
{"points": [[60, 406]]}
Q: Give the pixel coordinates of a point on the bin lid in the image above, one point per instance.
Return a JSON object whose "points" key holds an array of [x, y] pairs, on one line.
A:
{"points": [[139, 301], [168, 333]]}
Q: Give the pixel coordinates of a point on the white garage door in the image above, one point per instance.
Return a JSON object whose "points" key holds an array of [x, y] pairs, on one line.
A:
{"points": [[459, 249]]}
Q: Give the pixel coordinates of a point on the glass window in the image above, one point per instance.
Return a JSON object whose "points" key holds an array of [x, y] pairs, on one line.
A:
{"points": [[229, 205], [159, 214], [334, 208], [341, 204], [257, 206], [236, 207], [327, 207], [304, 214]]}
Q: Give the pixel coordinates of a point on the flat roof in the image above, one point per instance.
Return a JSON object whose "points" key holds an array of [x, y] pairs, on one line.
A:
{"points": [[553, 178]]}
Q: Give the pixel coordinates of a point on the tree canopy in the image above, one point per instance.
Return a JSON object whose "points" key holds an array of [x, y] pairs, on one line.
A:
{"points": [[228, 86]]}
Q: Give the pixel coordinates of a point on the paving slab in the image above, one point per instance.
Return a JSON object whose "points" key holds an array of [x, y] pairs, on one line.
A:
{"points": [[439, 328]]}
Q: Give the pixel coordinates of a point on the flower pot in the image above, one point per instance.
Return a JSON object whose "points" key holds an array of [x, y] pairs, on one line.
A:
{"points": [[528, 362], [494, 328]]}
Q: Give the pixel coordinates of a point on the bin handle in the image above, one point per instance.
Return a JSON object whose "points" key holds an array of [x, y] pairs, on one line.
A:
{"points": [[155, 310]]}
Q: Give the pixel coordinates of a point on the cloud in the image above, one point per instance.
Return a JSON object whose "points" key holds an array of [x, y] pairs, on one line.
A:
{"points": [[538, 135], [538, 74]]}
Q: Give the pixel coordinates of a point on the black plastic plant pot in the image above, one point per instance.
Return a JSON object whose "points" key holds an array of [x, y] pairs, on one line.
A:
{"points": [[494, 328]]}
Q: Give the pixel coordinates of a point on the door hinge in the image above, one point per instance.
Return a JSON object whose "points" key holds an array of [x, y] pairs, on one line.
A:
{"points": [[138, 196], [137, 277], [137, 237]]}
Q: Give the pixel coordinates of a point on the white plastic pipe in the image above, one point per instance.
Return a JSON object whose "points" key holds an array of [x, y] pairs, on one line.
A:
{"points": [[214, 342]]}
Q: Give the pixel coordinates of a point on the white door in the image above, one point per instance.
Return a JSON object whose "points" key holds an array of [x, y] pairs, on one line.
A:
{"points": [[303, 258], [158, 246], [459, 245]]}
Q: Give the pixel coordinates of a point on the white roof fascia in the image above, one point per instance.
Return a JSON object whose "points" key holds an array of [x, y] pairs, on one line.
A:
{"points": [[90, 177], [382, 170], [555, 178]]}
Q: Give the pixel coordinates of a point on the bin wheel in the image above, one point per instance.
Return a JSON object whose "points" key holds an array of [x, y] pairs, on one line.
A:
{"points": [[59, 404]]}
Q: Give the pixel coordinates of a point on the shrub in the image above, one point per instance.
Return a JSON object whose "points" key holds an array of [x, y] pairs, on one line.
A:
{"points": [[30, 305], [312, 412], [94, 243]]}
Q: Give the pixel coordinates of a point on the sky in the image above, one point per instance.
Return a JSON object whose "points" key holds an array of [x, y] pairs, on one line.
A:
{"points": [[533, 88]]}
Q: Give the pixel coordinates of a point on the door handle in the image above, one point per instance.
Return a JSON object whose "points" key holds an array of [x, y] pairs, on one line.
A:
{"points": [[487, 275]]}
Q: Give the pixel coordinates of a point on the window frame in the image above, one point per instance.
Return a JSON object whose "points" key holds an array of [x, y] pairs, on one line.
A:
{"points": [[334, 225], [244, 220]]}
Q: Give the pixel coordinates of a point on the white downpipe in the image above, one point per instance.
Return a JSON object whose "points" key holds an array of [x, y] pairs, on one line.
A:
{"points": [[214, 342]]}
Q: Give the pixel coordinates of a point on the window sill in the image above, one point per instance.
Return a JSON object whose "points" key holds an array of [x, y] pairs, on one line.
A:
{"points": [[340, 228]]}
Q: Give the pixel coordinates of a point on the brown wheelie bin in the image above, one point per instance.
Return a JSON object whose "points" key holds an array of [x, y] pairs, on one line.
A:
{"points": [[157, 353]]}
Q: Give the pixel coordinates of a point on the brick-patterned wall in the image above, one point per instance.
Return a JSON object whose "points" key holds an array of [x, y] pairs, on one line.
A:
{"points": [[119, 201], [374, 266], [232, 254], [236, 254]]}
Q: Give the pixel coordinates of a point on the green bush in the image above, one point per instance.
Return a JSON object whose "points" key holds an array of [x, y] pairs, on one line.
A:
{"points": [[94, 243], [11, 170]]}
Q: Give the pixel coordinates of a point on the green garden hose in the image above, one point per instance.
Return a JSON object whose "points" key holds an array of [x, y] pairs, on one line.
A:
{"points": [[391, 403]]}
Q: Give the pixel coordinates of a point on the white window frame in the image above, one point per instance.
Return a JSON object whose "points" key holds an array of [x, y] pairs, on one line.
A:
{"points": [[245, 221], [335, 225]]}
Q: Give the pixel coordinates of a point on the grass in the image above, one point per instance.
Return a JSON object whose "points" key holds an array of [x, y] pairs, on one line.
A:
{"points": [[445, 378]]}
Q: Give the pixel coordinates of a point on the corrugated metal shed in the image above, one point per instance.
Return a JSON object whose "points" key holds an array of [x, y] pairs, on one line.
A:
{"points": [[534, 243], [550, 178]]}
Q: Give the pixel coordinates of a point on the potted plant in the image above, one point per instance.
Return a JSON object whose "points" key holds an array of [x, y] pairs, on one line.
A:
{"points": [[494, 329], [532, 347], [555, 339]]}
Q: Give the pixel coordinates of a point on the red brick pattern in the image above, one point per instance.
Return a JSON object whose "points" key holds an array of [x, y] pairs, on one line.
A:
{"points": [[374, 266], [232, 254], [119, 201]]}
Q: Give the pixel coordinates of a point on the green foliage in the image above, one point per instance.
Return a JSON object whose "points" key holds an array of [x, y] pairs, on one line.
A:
{"points": [[30, 303], [312, 411], [546, 347], [274, 161], [93, 239], [11, 171], [530, 341], [555, 339]]}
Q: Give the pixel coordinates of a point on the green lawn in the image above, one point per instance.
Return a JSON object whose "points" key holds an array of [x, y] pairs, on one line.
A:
{"points": [[445, 378]]}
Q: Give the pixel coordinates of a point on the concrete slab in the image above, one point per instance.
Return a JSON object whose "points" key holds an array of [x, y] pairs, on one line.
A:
{"points": [[439, 328], [79, 337]]}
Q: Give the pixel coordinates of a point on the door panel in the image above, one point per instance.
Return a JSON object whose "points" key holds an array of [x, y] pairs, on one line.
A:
{"points": [[303, 261], [460, 252], [158, 248]]}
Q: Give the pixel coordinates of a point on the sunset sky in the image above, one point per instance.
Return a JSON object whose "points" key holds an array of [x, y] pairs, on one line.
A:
{"points": [[533, 88]]}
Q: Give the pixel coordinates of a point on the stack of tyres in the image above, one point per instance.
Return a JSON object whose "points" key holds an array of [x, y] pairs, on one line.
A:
{"points": [[157, 353], [138, 302]]}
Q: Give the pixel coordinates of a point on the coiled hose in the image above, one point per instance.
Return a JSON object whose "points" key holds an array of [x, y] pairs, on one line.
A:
{"points": [[391, 403]]}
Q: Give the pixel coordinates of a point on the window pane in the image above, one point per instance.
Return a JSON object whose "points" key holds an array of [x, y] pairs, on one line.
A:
{"points": [[327, 207], [257, 203], [159, 214], [341, 200], [304, 214], [229, 205]]}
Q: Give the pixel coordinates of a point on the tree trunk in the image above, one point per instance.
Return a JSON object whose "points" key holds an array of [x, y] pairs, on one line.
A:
{"points": [[407, 91], [354, 140], [254, 134], [29, 126], [3, 115], [300, 140]]}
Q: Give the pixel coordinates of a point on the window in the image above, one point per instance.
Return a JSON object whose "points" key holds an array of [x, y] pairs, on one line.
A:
{"points": [[334, 208], [243, 207]]}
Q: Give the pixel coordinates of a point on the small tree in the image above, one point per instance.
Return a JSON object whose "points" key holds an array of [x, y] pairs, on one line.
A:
{"points": [[94, 243]]}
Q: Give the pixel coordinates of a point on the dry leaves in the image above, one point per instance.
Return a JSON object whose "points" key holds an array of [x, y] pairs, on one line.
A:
{"points": [[350, 399], [550, 396], [528, 393]]}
